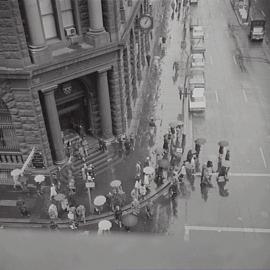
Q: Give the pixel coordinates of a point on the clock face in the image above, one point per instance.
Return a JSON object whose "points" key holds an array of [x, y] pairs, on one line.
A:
{"points": [[145, 22]]}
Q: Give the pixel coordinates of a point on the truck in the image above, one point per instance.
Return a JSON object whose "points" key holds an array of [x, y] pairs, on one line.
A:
{"points": [[257, 24]]}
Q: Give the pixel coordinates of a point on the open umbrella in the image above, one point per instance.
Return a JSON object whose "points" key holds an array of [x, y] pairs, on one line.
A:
{"points": [[163, 163], [39, 178], [173, 124], [99, 200], [59, 197], [129, 220], [16, 172], [159, 151], [115, 183], [223, 143], [179, 123], [104, 225], [148, 170], [200, 141]]}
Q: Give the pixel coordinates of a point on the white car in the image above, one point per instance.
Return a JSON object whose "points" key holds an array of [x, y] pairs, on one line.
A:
{"points": [[197, 78], [197, 45], [197, 101], [193, 1], [197, 32], [197, 60]]}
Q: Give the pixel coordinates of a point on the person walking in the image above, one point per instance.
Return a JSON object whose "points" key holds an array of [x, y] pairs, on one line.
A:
{"points": [[227, 164], [138, 169], [149, 209], [132, 141], [148, 59], [118, 215]]}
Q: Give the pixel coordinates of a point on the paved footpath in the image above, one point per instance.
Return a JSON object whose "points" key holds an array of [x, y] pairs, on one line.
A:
{"points": [[168, 108]]}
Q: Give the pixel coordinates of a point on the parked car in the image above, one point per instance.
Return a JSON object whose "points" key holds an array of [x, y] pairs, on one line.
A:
{"points": [[197, 101], [197, 45], [194, 2], [197, 60], [197, 78], [197, 32]]}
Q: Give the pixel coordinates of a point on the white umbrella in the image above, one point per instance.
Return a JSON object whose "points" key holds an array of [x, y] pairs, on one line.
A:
{"points": [[115, 183], [148, 170], [39, 178], [16, 172], [99, 200], [104, 225]]}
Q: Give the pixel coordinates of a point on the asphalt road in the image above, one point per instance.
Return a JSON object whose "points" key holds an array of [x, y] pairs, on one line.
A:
{"points": [[237, 76]]}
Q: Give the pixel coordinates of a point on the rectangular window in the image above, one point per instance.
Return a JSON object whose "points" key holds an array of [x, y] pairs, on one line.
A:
{"points": [[48, 20], [67, 13]]}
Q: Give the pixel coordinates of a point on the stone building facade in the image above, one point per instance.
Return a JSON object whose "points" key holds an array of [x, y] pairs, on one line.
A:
{"points": [[67, 65]]}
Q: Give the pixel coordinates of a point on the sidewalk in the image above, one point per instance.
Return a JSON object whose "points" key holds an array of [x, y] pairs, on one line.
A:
{"points": [[164, 103]]}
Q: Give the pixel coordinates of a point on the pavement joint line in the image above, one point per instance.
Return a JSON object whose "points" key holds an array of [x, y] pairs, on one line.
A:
{"points": [[189, 228], [234, 60], [245, 95], [263, 158], [216, 96]]}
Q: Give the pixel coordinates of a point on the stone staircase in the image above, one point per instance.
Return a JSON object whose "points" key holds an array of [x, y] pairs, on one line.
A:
{"points": [[101, 161]]}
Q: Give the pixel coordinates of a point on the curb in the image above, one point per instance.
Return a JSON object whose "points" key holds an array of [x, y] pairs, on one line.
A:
{"points": [[44, 223]]}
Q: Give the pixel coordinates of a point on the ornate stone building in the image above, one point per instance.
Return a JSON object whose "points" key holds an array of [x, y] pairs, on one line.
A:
{"points": [[67, 65]]}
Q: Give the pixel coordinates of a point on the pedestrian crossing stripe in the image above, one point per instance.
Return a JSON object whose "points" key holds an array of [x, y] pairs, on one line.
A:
{"points": [[244, 174]]}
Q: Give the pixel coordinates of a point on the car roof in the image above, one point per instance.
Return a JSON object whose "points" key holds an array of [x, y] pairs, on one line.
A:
{"points": [[198, 28], [197, 55], [198, 92]]}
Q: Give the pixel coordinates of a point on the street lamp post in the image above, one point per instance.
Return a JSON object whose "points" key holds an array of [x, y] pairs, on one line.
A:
{"points": [[90, 185]]}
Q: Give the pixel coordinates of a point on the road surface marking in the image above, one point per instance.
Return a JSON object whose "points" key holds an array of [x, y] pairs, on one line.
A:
{"points": [[216, 96], [234, 59], [264, 162], [263, 13], [8, 202], [245, 95], [244, 174], [186, 235], [225, 229], [211, 59]]}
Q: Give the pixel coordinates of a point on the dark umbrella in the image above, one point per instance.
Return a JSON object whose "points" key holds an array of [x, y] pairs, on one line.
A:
{"points": [[200, 141], [129, 220], [163, 163], [223, 143]]}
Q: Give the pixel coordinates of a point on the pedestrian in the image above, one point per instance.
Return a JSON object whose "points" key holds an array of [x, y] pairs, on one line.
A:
{"points": [[138, 169], [80, 211], [23, 208], [52, 211], [135, 207], [189, 156], [149, 209], [148, 59], [84, 172], [132, 141], [127, 146], [134, 194], [146, 182], [227, 163], [142, 191], [53, 225], [100, 144], [197, 149], [118, 215], [53, 191], [147, 162]]}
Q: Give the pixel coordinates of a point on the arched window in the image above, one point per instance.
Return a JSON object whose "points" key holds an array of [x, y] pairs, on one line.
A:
{"points": [[8, 140]]}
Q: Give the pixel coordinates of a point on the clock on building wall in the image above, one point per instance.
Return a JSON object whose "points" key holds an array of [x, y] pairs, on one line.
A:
{"points": [[146, 22]]}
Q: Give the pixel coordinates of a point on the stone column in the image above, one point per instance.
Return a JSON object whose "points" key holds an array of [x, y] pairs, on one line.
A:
{"points": [[97, 36], [104, 104], [38, 48], [54, 125]]}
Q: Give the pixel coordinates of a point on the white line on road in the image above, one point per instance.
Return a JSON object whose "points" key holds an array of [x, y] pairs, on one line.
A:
{"points": [[264, 162], [225, 229], [211, 59], [245, 95], [216, 96], [263, 13], [234, 59], [245, 174]]}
